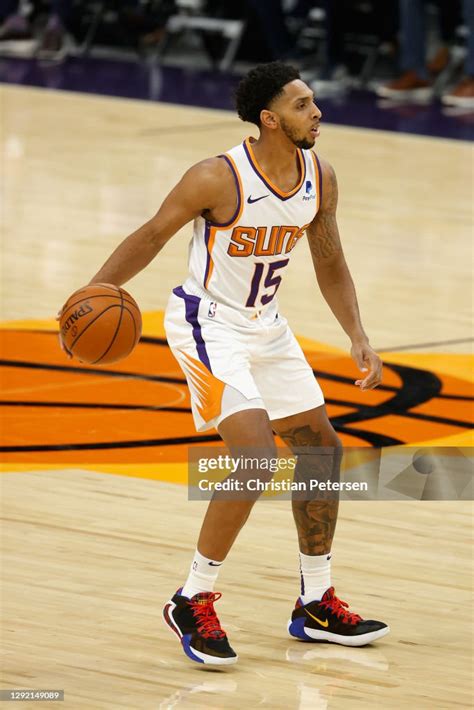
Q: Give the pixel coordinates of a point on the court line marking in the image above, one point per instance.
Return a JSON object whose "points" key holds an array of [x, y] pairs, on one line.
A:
{"points": [[397, 348], [97, 446], [93, 405], [163, 379]]}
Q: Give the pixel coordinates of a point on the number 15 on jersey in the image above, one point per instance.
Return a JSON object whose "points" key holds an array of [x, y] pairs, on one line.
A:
{"points": [[271, 281]]}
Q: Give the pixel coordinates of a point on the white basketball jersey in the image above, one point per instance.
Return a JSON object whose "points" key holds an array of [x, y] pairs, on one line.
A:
{"points": [[241, 262]]}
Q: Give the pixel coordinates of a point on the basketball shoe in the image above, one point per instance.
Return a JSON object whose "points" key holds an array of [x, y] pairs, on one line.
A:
{"points": [[330, 620], [195, 623]]}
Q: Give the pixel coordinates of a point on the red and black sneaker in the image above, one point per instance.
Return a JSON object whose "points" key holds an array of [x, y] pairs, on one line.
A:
{"points": [[330, 620], [195, 623]]}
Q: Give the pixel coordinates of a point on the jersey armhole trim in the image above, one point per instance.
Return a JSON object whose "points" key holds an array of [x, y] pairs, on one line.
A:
{"points": [[211, 228], [240, 197], [319, 177]]}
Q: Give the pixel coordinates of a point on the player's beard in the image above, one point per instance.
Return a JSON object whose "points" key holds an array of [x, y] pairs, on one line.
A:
{"points": [[291, 133]]}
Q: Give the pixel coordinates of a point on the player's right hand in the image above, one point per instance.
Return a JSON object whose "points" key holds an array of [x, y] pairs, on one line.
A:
{"points": [[367, 360]]}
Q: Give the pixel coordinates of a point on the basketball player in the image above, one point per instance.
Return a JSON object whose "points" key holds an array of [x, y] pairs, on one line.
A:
{"points": [[246, 373]]}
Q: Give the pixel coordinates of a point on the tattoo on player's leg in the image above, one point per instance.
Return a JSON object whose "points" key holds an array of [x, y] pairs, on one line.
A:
{"points": [[315, 519], [315, 522], [302, 436]]}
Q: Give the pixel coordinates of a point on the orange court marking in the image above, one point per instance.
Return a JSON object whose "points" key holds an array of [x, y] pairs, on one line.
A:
{"points": [[137, 412]]}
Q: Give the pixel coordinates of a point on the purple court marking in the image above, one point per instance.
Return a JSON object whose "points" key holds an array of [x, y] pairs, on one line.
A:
{"points": [[212, 90], [191, 304]]}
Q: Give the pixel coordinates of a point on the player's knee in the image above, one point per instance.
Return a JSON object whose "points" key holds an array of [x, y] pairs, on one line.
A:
{"points": [[255, 468], [250, 430], [260, 463], [329, 437], [268, 465]]}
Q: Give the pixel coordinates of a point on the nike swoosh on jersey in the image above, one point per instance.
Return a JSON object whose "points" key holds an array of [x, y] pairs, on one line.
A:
{"points": [[323, 623], [256, 199]]}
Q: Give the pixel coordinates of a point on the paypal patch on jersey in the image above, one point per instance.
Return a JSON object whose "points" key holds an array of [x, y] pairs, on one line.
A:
{"points": [[310, 192]]}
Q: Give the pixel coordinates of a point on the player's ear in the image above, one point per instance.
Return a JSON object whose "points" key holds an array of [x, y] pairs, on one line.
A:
{"points": [[268, 119]]}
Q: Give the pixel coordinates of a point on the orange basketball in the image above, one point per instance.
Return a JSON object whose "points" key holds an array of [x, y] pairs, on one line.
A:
{"points": [[100, 324]]}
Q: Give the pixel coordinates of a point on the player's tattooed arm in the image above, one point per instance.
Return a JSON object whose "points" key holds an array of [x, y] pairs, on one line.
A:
{"points": [[323, 233], [335, 280], [315, 519]]}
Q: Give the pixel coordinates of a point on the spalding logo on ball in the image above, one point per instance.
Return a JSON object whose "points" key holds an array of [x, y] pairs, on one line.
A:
{"points": [[100, 324]]}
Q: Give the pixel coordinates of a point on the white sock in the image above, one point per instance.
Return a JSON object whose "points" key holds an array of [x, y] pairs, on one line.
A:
{"points": [[315, 576], [202, 575]]}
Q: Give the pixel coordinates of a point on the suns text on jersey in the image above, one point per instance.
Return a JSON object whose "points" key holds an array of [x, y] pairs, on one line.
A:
{"points": [[262, 241]]}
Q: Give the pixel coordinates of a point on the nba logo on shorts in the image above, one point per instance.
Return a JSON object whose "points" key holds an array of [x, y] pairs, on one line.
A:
{"points": [[212, 309]]}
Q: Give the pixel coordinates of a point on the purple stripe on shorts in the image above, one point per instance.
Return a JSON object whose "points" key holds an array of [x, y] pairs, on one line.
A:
{"points": [[191, 304]]}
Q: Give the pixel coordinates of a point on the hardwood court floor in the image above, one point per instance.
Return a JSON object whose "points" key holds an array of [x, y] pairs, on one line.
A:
{"points": [[89, 556], [89, 559]]}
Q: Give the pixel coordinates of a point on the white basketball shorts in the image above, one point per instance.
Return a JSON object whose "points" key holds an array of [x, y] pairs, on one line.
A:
{"points": [[233, 361]]}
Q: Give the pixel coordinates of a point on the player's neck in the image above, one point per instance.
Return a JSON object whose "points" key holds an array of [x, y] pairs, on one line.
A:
{"points": [[275, 155]]}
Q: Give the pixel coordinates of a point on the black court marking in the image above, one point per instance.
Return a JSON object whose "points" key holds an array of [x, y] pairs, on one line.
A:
{"points": [[153, 341], [398, 348], [460, 397], [158, 378], [154, 378], [418, 386], [376, 440], [365, 410], [321, 375], [92, 370], [93, 405], [140, 443], [149, 340]]}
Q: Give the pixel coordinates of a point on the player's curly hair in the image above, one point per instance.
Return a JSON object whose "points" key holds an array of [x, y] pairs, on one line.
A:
{"points": [[260, 86]]}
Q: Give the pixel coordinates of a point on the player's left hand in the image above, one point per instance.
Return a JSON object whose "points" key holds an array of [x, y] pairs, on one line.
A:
{"points": [[367, 360]]}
